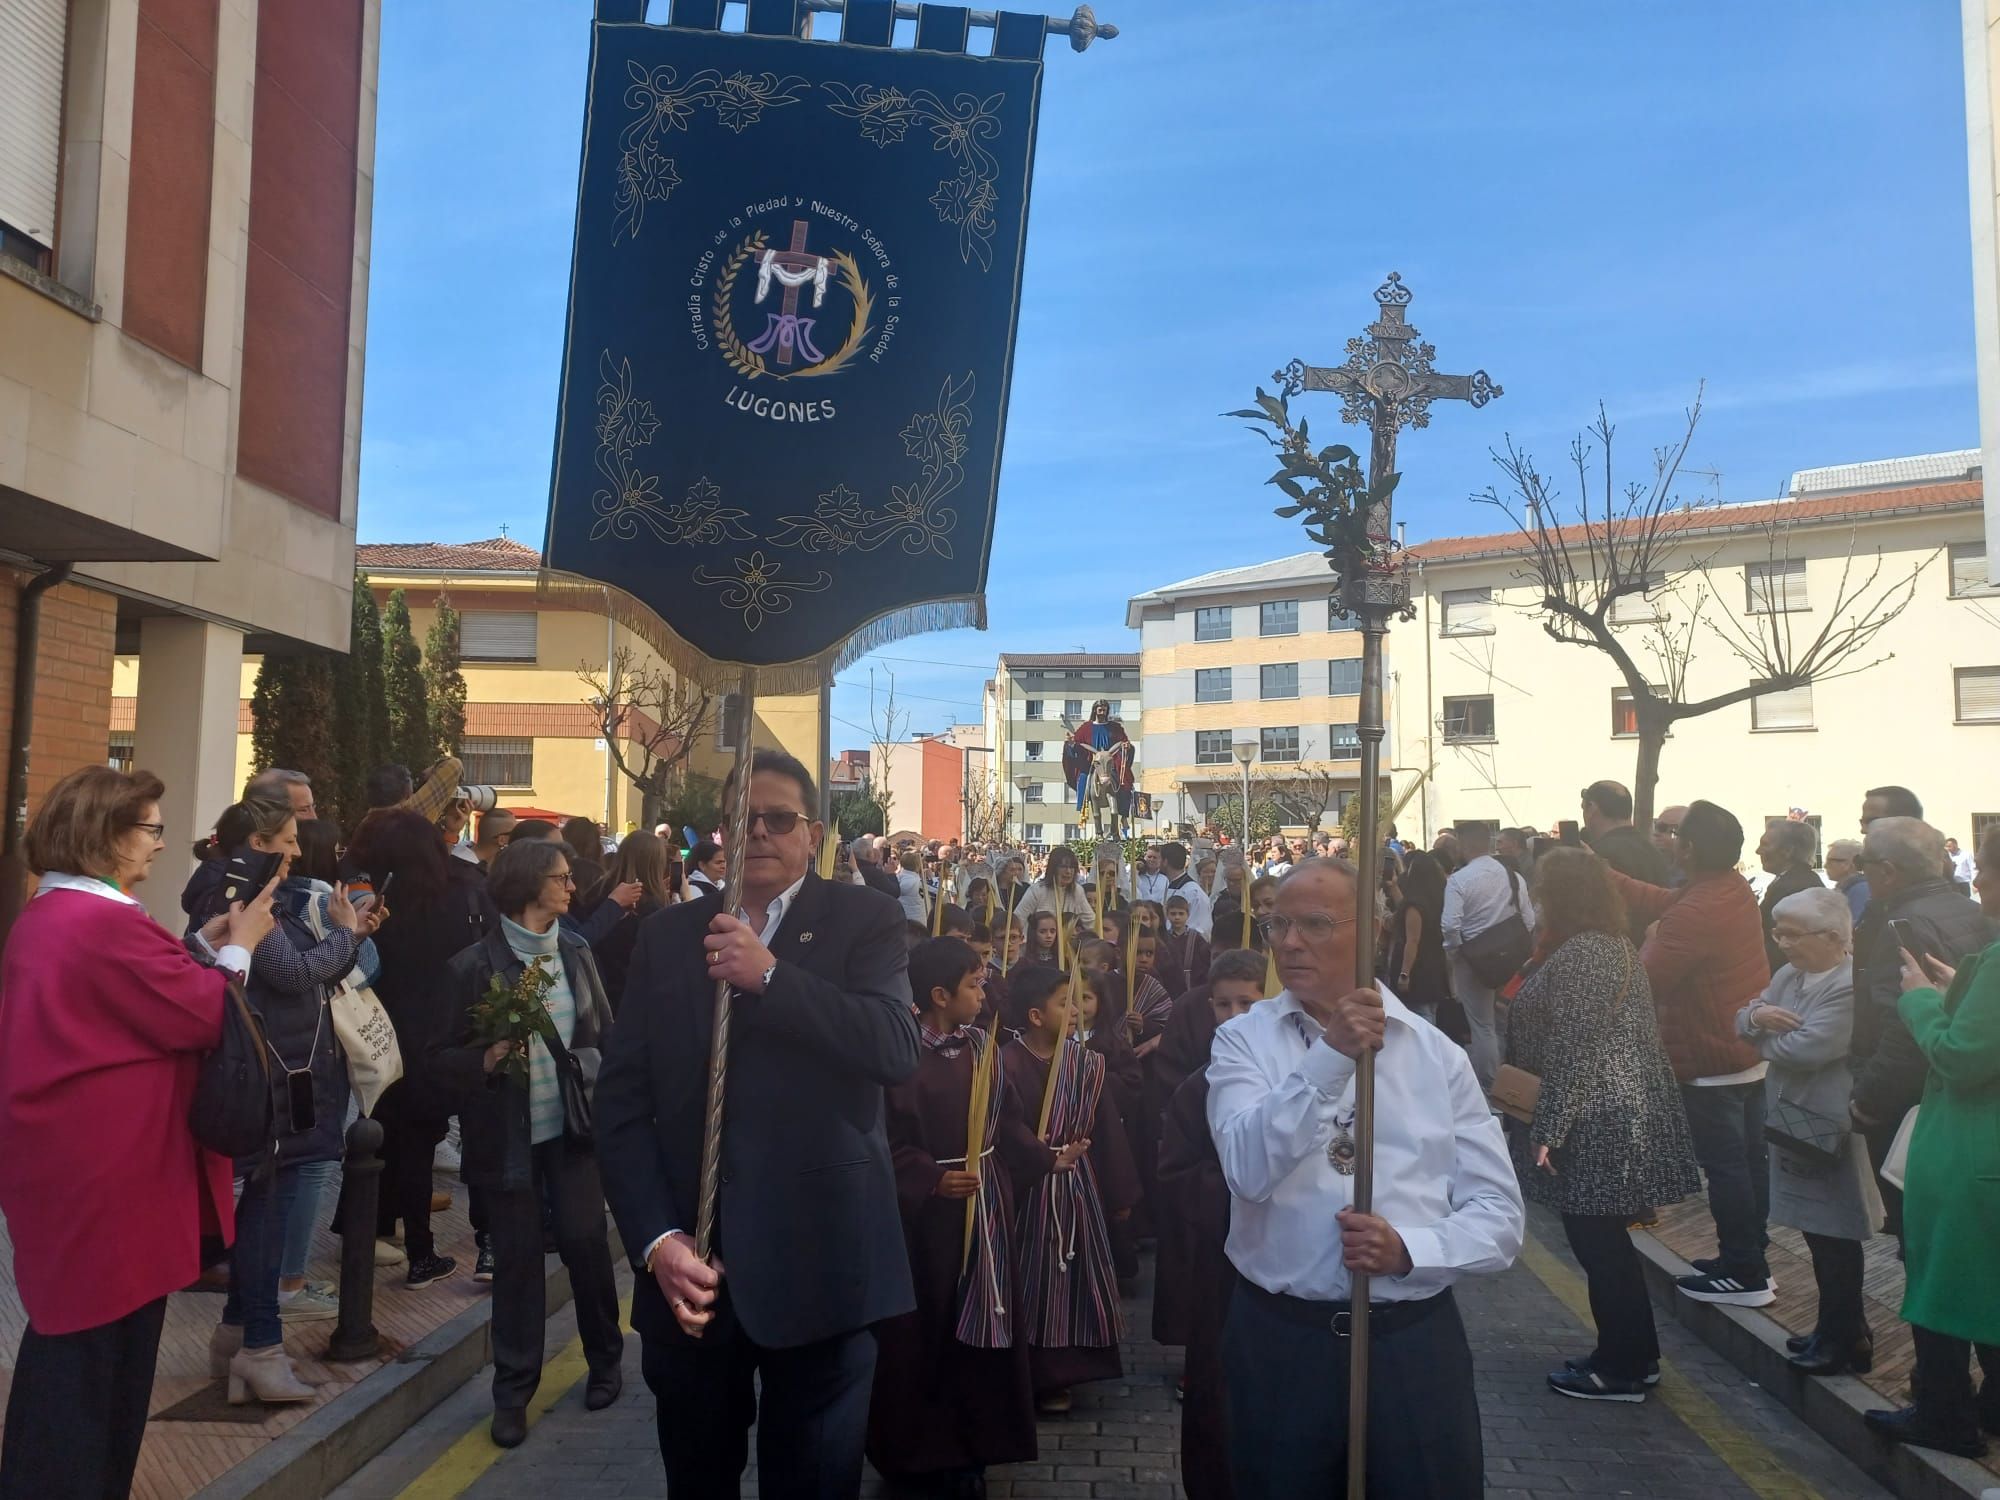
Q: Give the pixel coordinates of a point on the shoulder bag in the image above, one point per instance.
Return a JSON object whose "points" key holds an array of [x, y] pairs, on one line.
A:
{"points": [[1516, 1092], [1806, 1133], [1896, 1163], [1497, 954], [362, 1026], [576, 1081], [232, 1112]]}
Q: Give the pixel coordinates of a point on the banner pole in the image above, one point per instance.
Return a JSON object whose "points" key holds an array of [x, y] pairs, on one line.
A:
{"points": [[718, 1045]]}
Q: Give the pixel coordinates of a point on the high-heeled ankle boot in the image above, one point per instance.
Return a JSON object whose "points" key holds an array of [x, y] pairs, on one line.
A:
{"points": [[1827, 1355], [265, 1375], [222, 1347]]}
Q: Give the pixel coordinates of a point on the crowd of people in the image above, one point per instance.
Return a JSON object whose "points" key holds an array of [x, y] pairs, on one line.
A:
{"points": [[969, 1087]]}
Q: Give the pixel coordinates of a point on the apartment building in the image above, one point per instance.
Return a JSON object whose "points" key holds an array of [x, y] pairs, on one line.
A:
{"points": [[185, 196], [1514, 723], [1032, 704], [1251, 657]]}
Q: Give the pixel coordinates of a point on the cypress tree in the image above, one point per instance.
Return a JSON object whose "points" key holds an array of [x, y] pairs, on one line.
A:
{"points": [[403, 687], [444, 684], [361, 707], [292, 715]]}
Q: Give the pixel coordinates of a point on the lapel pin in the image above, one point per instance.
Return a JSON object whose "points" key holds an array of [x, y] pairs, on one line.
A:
{"points": [[805, 937]]}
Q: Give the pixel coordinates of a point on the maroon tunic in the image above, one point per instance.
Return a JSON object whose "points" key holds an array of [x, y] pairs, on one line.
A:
{"points": [[938, 1402], [1182, 1053], [1195, 1197]]}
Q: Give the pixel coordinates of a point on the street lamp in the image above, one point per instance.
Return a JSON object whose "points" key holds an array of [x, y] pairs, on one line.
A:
{"points": [[1024, 781], [1246, 751]]}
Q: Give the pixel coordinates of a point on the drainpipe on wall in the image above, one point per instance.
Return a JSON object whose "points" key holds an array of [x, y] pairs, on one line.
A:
{"points": [[27, 645]]}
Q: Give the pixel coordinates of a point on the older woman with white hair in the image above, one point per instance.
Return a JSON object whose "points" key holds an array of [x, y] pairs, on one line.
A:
{"points": [[1821, 1182]]}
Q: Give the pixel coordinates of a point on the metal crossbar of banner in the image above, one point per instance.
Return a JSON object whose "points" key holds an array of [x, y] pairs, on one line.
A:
{"points": [[794, 293]]}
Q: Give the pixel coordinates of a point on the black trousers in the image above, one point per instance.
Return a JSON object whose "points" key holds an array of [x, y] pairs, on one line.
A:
{"points": [[408, 1148], [1941, 1381], [1837, 1270], [1287, 1384], [77, 1411], [520, 1283], [1627, 1342], [810, 1430]]}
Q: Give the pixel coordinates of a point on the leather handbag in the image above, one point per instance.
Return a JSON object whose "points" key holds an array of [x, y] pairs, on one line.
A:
{"points": [[1806, 1133], [576, 1081], [1515, 1092], [1497, 954]]}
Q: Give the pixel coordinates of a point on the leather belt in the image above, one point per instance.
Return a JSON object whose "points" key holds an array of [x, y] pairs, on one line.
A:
{"points": [[1384, 1318]]}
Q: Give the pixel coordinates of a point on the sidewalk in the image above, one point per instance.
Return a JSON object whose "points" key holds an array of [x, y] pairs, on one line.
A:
{"points": [[193, 1435]]}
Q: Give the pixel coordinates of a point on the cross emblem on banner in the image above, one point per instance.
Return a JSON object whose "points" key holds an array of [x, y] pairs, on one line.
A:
{"points": [[792, 268]]}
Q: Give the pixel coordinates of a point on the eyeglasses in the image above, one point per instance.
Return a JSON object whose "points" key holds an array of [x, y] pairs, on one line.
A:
{"points": [[157, 830], [1786, 939], [565, 877], [1313, 927], [1671, 830], [778, 821]]}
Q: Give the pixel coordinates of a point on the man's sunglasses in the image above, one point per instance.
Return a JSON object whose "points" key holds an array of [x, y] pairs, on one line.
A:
{"points": [[1671, 829], [778, 821]]}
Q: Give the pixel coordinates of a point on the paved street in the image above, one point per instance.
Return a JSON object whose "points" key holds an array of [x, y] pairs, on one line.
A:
{"points": [[1708, 1433]]}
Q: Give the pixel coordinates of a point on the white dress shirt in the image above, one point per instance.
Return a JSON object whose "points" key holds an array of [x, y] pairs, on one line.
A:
{"points": [[1443, 1180], [1153, 887], [1201, 913], [1476, 898]]}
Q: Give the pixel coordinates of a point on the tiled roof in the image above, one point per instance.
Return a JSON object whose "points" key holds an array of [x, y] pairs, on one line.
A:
{"points": [[1920, 468], [1299, 566], [1071, 659], [1721, 519], [497, 555]]}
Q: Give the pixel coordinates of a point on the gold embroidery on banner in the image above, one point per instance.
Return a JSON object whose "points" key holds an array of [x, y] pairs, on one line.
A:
{"points": [[966, 199], [757, 590], [626, 424], [663, 104]]}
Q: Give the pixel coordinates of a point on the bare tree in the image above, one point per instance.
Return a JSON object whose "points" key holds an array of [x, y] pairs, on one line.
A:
{"points": [[651, 720], [886, 725], [1641, 539], [985, 811], [1313, 790]]}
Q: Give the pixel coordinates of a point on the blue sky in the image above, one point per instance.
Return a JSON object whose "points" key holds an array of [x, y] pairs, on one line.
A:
{"points": [[1589, 201]]}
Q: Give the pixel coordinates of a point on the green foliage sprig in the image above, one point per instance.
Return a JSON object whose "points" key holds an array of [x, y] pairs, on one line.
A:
{"points": [[517, 1013], [1326, 485]]}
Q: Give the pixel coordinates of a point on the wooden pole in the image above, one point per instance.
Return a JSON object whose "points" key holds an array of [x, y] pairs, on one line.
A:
{"points": [[718, 1045]]}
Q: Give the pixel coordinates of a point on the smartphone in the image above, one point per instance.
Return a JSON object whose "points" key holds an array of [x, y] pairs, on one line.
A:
{"points": [[382, 890], [1906, 936], [247, 873], [299, 1102], [1569, 835]]}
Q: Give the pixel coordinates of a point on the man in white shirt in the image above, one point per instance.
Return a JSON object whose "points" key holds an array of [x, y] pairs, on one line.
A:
{"points": [[1478, 897], [1174, 862], [1152, 878], [1281, 1108], [1963, 867]]}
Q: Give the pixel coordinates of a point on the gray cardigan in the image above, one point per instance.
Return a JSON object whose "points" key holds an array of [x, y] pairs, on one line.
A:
{"points": [[1809, 1067]]}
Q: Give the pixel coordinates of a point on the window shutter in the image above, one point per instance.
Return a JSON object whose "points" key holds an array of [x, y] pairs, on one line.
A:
{"points": [[1790, 709], [1979, 694], [1468, 609], [31, 91], [496, 635], [1968, 568]]}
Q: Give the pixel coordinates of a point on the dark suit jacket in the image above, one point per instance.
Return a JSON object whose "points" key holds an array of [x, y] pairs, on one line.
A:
{"points": [[808, 1229]]}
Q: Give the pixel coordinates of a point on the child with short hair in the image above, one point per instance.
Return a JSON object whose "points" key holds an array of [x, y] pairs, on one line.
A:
{"points": [[952, 1386], [1181, 946], [1068, 1298]]}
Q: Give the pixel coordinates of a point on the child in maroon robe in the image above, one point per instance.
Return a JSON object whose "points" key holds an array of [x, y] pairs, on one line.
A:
{"points": [[1181, 945], [952, 1390], [1069, 1309]]}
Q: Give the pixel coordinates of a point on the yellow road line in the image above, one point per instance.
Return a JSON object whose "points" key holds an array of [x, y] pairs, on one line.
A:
{"points": [[458, 1468], [1757, 1466]]}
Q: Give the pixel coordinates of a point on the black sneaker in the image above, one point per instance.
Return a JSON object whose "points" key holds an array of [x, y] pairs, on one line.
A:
{"points": [[1581, 1364], [428, 1269], [1588, 1385], [1910, 1425], [1707, 1265], [482, 1268], [1737, 1291]]}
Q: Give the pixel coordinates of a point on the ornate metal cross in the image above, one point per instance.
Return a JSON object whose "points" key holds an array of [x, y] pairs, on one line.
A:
{"points": [[1386, 384]]}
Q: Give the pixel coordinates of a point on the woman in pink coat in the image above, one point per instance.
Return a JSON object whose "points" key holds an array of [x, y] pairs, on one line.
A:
{"points": [[104, 1018]]}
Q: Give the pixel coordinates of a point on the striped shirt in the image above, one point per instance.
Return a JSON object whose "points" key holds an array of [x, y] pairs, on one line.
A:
{"points": [[545, 1111]]}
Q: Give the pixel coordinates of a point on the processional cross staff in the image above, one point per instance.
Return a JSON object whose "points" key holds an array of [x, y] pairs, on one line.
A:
{"points": [[1386, 384]]}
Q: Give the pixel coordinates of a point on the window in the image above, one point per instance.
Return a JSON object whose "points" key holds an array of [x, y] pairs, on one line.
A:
{"points": [[1468, 719], [1034, 709], [1215, 624], [1624, 717], [1632, 609], [1032, 832], [31, 97], [1968, 571], [1980, 823], [1978, 690], [1787, 708], [1210, 801], [496, 635], [728, 721], [1775, 587], [1344, 800], [1468, 612], [1072, 709], [497, 762], [1034, 749], [1335, 620], [1343, 742], [1278, 680], [1278, 617], [1211, 685], [1032, 792], [1211, 747], [119, 754], [1279, 744], [1343, 676], [1115, 707]]}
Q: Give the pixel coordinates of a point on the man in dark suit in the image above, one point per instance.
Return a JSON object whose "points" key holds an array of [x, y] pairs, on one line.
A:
{"points": [[808, 1246]]}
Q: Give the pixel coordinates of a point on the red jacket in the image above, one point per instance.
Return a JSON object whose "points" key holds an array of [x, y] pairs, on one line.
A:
{"points": [[1705, 961], [104, 1018]]}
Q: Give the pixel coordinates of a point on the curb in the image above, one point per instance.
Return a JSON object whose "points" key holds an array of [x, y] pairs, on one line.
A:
{"points": [[1831, 1406], [332, 1444]]}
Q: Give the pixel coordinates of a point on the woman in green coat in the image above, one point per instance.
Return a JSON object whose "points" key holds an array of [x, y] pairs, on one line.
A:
{"points": [[1951, 1206]]}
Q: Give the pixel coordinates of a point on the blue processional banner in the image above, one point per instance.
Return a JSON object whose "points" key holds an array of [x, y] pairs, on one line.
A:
{"points": [[796, 277]]}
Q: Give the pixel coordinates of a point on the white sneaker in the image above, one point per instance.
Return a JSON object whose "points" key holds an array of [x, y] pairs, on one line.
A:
{"points": [[309, 1304], [446, 1157], [389, 1253]]}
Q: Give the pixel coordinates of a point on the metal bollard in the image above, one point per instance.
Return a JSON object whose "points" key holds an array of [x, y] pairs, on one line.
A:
{"points": [[354, 1336]]}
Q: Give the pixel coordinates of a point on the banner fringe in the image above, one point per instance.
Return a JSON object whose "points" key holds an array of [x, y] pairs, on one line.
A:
{"points": [[563, 590]]}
